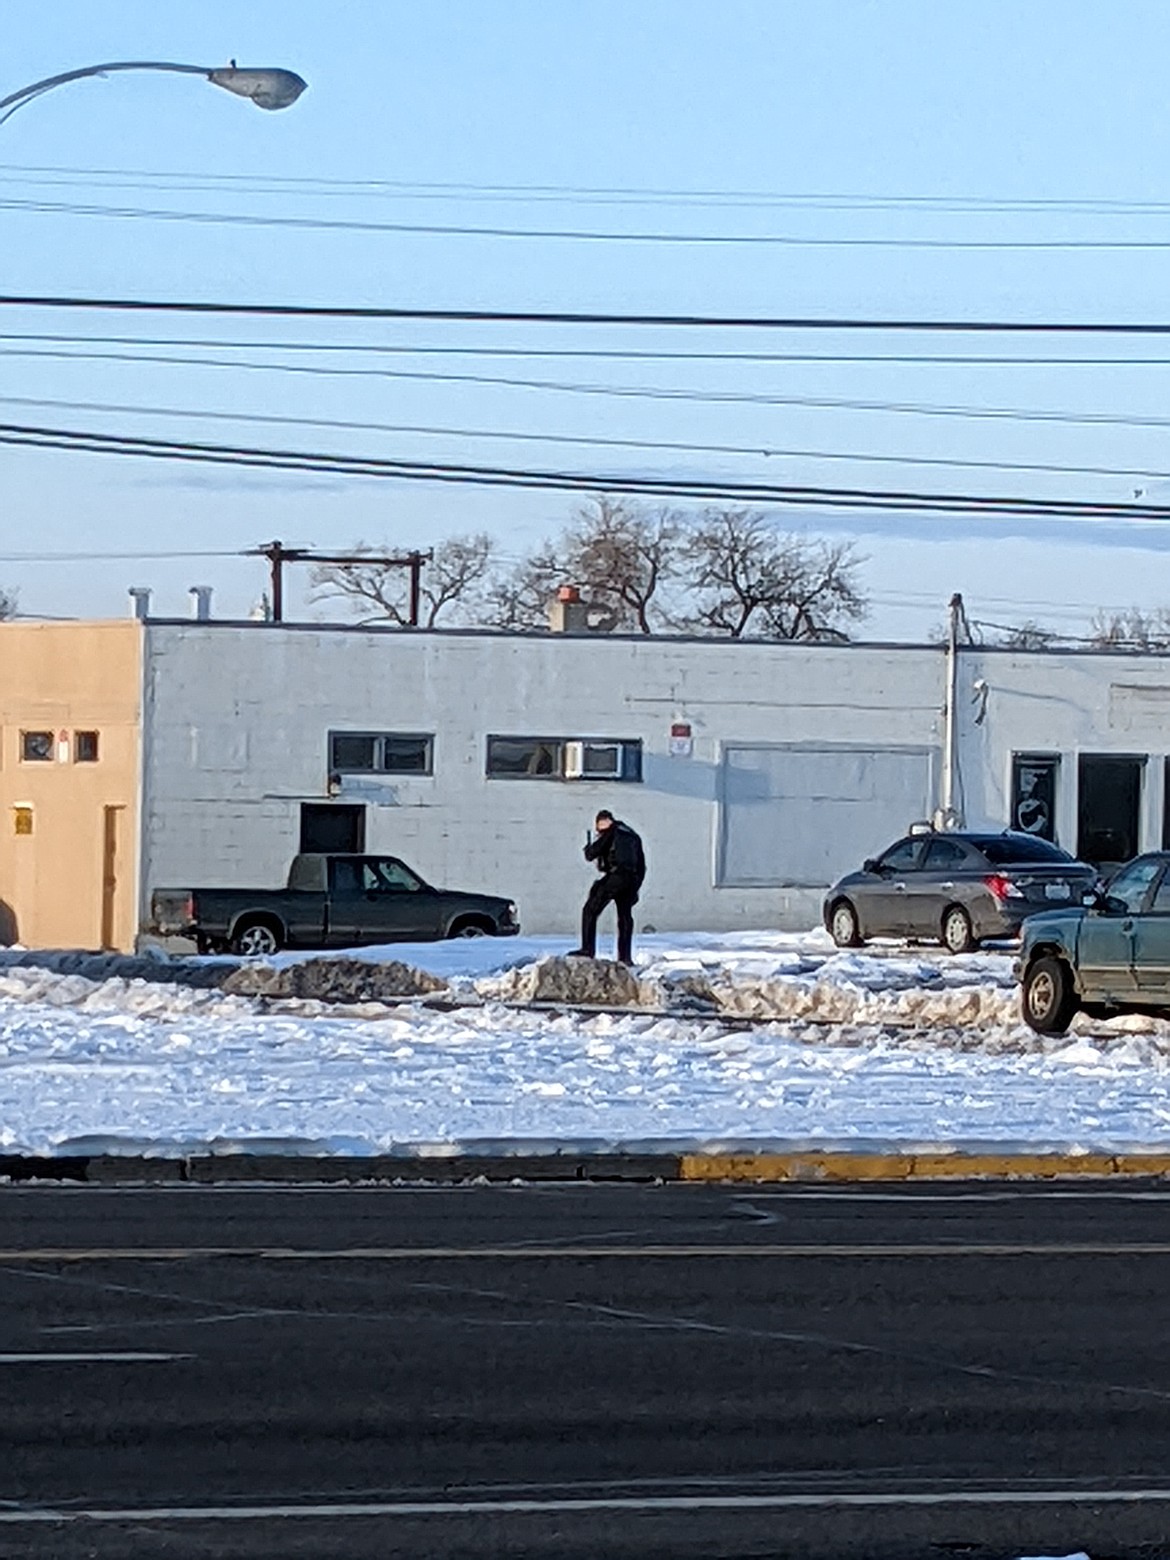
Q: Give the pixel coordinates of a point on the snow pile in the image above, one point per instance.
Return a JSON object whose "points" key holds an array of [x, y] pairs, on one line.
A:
{"points": [[590, 982], [791, 985], [151, 965], [334, 980]]}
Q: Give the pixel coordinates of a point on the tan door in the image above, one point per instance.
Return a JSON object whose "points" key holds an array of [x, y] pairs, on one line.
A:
{"points": [[111, 833]]}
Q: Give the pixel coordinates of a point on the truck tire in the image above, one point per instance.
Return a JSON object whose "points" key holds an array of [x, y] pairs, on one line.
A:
{"points": [[1048, 997], [470, 926], [256, 938]]}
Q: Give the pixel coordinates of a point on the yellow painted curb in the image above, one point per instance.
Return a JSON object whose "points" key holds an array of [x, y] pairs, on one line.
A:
{"points": [[831, 1166]]}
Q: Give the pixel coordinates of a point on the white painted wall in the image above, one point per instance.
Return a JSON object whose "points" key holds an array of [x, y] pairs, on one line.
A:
{"points": [[1071, 704], [236, 719]]}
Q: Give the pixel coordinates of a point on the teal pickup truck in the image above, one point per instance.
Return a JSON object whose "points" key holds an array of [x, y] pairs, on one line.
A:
{"points": [[1111, 955]]}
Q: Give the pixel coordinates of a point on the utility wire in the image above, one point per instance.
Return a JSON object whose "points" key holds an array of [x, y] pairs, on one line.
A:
{"points": [[572, 235], [615, 354], [94, 557], [463, 190], [709, 491], [628, 392], [580, 317], [525, 436]]}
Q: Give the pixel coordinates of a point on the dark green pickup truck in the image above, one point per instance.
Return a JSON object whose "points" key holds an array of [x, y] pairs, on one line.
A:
{"points": [[1112, 955], [332, 901]]}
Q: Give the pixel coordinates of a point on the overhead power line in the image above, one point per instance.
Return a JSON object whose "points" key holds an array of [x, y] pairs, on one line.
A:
{"points": [[713, 491], [623, 392], [604, 354], [253, 219], [398, 189], [580, 317], [526, 436], [109, 557]]}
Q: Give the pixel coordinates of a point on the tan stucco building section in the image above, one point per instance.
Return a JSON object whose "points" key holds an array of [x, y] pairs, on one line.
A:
{"points": [[70, 762]]}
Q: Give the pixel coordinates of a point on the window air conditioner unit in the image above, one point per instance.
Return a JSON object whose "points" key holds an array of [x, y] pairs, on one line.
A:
{"points": [[593, 761]]}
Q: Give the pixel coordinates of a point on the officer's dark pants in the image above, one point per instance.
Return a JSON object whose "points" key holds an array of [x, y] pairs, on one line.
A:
{"points": [[613, 889]]}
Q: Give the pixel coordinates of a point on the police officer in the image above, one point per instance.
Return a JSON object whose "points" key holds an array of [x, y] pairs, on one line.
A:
{"points": [[621, 860]]}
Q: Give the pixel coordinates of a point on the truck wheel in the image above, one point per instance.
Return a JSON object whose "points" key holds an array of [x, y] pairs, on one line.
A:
{"points": [[255, 937], [470, 928], [1048, 999]]}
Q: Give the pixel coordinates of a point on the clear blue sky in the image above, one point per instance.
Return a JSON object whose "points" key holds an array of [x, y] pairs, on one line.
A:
{"points": [[1043, 102]]}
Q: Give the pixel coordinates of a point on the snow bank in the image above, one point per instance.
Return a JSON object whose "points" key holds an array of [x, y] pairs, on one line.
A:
{"points": [[886, 1045], [824, 988], [135, 1066], [333, 980]]}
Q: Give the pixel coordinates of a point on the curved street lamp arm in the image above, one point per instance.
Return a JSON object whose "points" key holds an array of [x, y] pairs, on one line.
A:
{"points": [[268, 88], [17, 100]]}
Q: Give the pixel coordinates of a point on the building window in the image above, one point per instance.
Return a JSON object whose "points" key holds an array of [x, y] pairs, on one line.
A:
{"points": [[1034, 777], [564, 758], [36, 747], [22, 819], [85, 747], [381, 753]]}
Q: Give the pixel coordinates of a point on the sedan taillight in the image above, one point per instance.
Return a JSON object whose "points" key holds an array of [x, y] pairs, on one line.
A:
{"points": [[1001, 887]]}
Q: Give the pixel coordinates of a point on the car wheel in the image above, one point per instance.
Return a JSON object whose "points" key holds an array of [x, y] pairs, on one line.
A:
{"points": [[470, 929], [255, 938], [1048, 999], [843, 926], [957, 936]]}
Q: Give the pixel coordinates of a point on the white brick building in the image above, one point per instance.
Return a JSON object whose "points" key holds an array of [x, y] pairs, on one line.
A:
{"points": [[789, 762]]}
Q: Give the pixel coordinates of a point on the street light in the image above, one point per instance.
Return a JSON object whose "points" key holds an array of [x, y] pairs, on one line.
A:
{"points": [[267, 88]]}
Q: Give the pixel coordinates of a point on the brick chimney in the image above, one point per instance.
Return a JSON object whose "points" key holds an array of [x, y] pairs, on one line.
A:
{"points": [[567, 613]]}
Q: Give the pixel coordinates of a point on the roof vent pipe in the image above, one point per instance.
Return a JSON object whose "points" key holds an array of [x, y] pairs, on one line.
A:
{"points": [[200, 602], [139, 602]]}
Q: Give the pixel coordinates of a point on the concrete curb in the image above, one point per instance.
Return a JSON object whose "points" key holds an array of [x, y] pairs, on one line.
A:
{"points": [[795, 1167], [931, 1166]]}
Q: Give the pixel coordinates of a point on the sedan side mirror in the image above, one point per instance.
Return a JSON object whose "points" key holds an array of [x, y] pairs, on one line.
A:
{"points": [[869, 865]]}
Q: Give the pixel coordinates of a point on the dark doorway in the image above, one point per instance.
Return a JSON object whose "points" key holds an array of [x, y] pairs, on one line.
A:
{"points": [[111, 865], [1109, 797], [332, 827]]}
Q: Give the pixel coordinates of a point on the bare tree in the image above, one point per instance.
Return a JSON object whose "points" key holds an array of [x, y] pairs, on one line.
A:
{"points": [[453, 583], [752, 580], [624, 557], [621, 557], [1027, 636], [1132, 630], [518, 598]]}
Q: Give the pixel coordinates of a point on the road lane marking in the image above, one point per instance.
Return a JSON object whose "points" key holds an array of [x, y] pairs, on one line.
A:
{"points": [[588, 1253], [318, 1510], [121, 1357]]}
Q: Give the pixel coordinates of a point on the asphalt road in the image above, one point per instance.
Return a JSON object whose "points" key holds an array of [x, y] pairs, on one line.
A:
{"points": [[668, 1371]]}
